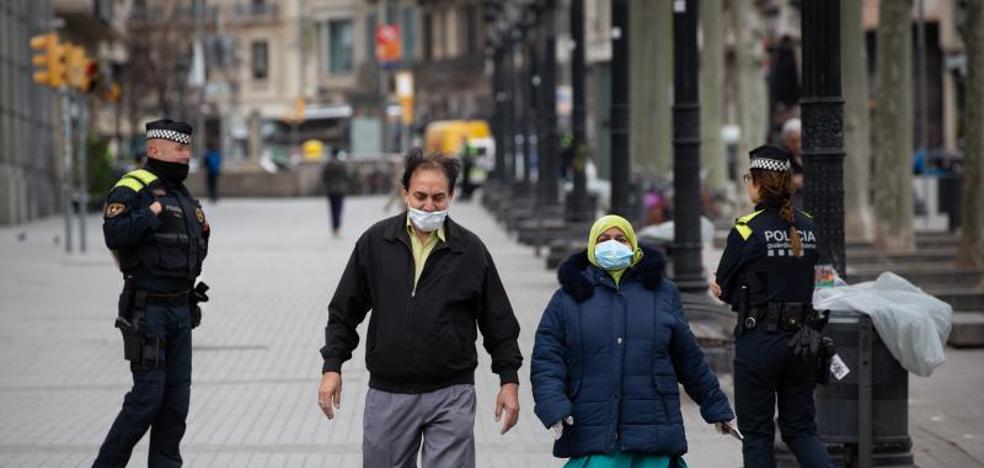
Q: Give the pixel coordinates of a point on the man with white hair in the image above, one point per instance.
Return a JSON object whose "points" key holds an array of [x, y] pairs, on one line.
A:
{"points": [[792, 141]]}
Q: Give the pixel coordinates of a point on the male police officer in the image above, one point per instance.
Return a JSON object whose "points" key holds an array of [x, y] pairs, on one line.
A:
{"points": [[159, 236]]}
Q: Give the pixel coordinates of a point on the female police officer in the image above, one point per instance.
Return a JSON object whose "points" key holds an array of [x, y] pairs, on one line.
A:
{"points": [[766, 274]]}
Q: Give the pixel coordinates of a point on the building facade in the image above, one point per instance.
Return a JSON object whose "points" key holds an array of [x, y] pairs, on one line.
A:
{"points": [[29, 173]]}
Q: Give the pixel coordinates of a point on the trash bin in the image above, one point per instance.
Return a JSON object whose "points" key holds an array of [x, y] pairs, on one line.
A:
{"points": [[950, 195], [864, 418]]}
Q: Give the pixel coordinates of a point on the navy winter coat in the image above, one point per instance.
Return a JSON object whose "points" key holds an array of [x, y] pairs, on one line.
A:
{"points": [[611, 356]]}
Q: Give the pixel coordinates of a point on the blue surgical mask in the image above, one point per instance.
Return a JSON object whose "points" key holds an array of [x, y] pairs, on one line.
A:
{"points": [[613, 255], [427, 221]]}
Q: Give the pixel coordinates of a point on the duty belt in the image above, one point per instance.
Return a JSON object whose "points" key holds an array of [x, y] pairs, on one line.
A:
{"points": [[787, 316], [174, 299]]}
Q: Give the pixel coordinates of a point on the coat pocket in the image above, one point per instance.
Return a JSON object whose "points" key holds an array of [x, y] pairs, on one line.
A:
{"points": [[667, 399], [573, 388]]}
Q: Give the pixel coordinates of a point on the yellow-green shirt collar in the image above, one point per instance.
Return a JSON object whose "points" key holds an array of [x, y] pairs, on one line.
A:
{"points": [[413, 233]]}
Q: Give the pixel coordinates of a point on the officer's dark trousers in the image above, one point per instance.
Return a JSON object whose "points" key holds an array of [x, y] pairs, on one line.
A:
{"points": [[765, 369], [159, 398]]}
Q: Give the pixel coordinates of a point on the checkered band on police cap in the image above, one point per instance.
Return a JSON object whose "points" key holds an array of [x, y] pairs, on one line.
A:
{"points": [[770, 158], [766, 164], [167, 129]]}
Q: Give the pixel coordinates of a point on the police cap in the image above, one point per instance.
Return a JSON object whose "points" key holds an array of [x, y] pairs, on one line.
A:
{"points": [[770, 158], [167, 129]]}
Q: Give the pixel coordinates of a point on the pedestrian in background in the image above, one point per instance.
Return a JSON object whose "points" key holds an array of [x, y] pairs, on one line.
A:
{"points": [[766, 274], [432, 286], [159, 236], [213, 169], [335, 176], [792, 141], [611, 347]]}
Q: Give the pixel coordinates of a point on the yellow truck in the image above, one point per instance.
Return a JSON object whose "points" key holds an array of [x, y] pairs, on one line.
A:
{"points": [[453, 137]]}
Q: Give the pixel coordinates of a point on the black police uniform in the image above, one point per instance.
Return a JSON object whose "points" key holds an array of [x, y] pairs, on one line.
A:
{"points": [[160, 257], [772, 289]]}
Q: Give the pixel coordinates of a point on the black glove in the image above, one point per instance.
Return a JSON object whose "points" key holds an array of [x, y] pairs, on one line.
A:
{"points": [[196, 296], [805, 343]]}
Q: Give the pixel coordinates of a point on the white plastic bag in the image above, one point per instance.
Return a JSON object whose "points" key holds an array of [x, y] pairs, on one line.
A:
{"points": [[912, 324]]}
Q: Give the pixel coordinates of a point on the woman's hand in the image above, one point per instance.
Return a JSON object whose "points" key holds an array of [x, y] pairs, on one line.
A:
{"points": [[728, 427], [558, 427], [715, 288]]}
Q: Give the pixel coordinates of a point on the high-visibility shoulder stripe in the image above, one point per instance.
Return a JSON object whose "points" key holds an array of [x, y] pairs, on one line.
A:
{"points": [[745, 219], [130, 183], [143, 175], [741, 224], [743, 230], [805, 213], [136, 180]]}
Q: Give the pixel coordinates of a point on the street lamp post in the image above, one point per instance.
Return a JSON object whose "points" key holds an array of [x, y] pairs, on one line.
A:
{"points": [[688, 270], [547, 140], [822, 109], [620, 109], [530, 117], [499, 119], [580, 211], [508, 152]]}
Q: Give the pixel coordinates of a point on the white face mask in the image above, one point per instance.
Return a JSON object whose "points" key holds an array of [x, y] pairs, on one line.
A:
{"points": [[427, 221]]}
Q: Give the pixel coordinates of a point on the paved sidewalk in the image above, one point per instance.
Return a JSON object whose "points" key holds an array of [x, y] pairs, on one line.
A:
{"points": [[272, 267]]}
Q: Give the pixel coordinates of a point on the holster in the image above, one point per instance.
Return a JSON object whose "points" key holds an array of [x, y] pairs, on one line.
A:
{"points": [[772, 317], [143, 352], [743, 312]]}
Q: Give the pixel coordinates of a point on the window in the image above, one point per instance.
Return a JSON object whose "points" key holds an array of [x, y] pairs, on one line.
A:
{"points": [[426, 27], [371, 38], [470, 31], [260, 59], [335, 46], [409, 31]]}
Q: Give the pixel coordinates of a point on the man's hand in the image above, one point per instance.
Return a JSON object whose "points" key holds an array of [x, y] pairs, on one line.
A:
{"points": [[330, 393], [508, 400], [156, 208]]}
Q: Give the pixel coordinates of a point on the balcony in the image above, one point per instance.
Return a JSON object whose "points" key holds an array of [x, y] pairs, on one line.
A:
{"points": [[255, 12], [89, 21]]}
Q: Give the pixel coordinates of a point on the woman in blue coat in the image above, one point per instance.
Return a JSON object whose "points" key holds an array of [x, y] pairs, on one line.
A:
{"points": [[611, 347]]}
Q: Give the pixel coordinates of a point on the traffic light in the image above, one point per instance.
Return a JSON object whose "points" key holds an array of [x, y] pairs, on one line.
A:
{"points": [[49, 61], [91, 81], [75, 62]]}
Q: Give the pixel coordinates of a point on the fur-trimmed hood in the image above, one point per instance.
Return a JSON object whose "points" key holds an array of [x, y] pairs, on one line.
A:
{"points": [[650, 270]]}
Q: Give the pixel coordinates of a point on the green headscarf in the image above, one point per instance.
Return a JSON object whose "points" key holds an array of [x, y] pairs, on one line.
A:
{"points": [[605, 223]]}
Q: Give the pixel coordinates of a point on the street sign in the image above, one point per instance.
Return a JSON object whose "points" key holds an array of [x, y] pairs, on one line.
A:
{"points": [[388, 47]]}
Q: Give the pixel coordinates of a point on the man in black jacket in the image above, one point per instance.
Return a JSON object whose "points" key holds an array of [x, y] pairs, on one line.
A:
{"points": [[431, 285]]}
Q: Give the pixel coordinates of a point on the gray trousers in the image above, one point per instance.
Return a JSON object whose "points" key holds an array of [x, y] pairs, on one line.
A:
{"points": [[394, 425]]}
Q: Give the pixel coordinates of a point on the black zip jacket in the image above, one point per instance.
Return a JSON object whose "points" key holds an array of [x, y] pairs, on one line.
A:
{"points": [[422, 339]]}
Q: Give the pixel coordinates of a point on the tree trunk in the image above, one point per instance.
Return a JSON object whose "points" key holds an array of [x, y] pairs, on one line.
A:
{"points": [[753, 98], [651, 80], [857, 127], [893, 129], [971, 251], [712, 157]]}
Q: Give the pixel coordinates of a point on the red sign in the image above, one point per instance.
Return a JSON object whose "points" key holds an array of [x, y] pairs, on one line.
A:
{"points": [[388, 48]]}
